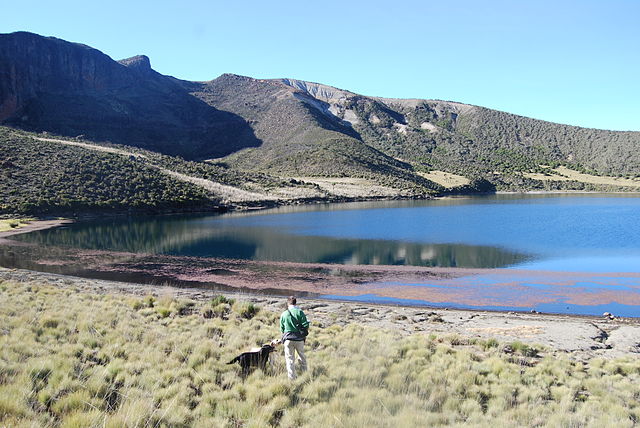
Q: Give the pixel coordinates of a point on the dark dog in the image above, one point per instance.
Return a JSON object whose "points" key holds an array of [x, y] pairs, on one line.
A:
{"points": [[257, 357]]}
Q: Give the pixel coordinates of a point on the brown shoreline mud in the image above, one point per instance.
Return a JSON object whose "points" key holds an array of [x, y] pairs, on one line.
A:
{"points": [[494, 289], [506, 289]]}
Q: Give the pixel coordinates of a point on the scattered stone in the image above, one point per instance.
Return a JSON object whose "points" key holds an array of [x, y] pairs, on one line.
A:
{"points": [[434, 317], [362, 311], [312, 306]]}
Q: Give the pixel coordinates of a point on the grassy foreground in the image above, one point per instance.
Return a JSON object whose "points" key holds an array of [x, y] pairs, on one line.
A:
{"points": [[76, 359]]}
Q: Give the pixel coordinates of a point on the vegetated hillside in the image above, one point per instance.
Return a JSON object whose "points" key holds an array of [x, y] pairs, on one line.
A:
{"points": [[41, 174], [48, 84], [40, 177], [299, 138], [598, 151], [477, 142]]}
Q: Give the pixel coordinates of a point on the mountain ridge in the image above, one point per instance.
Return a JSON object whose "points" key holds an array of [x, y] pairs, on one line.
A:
{"points": [[285, 129]]}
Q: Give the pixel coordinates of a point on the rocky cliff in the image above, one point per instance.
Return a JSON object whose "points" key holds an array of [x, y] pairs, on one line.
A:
{"points": [[47, 84]]}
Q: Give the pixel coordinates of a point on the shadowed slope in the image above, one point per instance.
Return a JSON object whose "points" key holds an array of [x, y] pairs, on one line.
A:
{"points": [[47, 84]]}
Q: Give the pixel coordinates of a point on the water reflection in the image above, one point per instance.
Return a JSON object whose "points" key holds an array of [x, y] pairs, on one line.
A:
{"points": [[488, 232], [208, 237]]}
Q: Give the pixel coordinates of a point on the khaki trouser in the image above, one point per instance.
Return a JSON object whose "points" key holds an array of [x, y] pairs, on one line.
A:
{"points": [[290, 348]]}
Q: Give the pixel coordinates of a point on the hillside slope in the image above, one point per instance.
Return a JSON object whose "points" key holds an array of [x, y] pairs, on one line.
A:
{"points": [[299, 138], [291, 139], [46, 175], [476, 141], [40, 177]]}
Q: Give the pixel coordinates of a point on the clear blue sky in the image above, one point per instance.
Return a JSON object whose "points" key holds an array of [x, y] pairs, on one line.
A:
{"points": [[574, 62]]}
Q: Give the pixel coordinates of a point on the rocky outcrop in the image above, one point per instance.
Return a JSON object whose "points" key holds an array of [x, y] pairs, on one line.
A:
{"points": [[140, 63]]}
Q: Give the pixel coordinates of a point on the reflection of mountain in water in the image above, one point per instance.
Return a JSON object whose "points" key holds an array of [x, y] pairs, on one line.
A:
{"points": [[191, 237], [155, 235]]}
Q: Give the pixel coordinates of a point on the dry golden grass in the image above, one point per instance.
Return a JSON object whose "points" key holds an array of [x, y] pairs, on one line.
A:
{"points": [[446, 179], [563, 173], [76, 359], [351, 187], [14, 223]]}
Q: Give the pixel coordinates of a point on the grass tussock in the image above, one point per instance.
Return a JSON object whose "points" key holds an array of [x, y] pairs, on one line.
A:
{"points": [[82, 360]]}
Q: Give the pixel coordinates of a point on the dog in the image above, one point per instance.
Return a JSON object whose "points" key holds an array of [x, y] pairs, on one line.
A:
{"points": [[256, 357]]}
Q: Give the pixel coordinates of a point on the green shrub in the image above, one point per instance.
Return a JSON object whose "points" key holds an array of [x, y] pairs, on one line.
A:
{"points": [[149, 301], [163, 312], [222, 299], [246, 310], [524, 349], [221, 310], [490, 343]]}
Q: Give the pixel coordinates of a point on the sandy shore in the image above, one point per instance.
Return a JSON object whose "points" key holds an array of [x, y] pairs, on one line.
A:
{"points": [[581, 337], [35, 225]]}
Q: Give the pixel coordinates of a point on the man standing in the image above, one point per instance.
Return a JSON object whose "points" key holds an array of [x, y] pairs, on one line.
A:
{"points": [[294, 325]]}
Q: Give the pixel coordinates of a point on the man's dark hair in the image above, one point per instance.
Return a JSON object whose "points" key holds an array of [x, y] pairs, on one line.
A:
{"points": [[291, 300]]}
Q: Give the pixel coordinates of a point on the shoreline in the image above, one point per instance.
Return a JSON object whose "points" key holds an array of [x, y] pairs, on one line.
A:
{"points": [[580, 337], [473, 289], [34, 225], [569, 192], [499, 290], [257, 206]]}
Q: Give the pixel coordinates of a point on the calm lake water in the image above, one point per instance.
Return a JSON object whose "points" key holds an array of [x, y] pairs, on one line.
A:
{"points": [[564, 233]]}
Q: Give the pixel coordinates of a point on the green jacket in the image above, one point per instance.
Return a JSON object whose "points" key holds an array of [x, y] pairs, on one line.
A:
{"points": [[288, 324]]}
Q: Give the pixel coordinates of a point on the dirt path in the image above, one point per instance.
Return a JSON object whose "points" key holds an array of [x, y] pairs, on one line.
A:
{"points": [[227, 193]]}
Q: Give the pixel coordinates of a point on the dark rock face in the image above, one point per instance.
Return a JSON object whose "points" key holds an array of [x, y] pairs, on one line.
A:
{"points": [[47, 84]]}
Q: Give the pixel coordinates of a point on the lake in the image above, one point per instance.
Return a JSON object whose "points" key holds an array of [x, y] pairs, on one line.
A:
{"points": [[591, 242]]}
